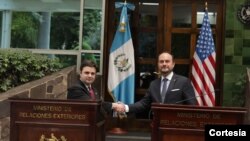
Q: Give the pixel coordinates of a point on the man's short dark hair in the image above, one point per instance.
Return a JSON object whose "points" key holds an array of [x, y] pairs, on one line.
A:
{"points": [[88, 63]]}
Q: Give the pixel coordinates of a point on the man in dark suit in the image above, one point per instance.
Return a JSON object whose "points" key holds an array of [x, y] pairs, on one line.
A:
{"points": [[83, 89], [169, 88]]}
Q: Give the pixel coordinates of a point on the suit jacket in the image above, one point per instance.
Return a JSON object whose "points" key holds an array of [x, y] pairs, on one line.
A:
{"points": [[180, 91], [79, 91]]}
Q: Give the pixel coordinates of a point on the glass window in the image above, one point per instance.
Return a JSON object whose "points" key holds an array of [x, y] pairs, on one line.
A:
{"points": [[182, 69], [65, 60], [64, 33], [147, 46], [180, 45], [148, 13], [45, 30], [146, 74], [55, 30], [92, 33], [212, 14], [24, 30], [95, 57], [182, 14], [92, 29]]}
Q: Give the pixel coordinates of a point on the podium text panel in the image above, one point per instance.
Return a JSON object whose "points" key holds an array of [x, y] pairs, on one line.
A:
{"points": [[42, 120]]}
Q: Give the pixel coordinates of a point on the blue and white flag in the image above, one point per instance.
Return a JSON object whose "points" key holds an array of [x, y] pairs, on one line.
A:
{"points": [[121, 75]]}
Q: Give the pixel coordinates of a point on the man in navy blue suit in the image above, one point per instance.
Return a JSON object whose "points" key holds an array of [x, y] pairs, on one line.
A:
{"points": [[169, 88], [83, 89]]}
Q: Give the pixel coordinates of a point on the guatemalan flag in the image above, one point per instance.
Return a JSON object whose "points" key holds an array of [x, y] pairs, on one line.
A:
{"points": [[121, 75]]}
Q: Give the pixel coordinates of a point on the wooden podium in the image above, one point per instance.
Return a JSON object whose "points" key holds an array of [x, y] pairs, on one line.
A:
{"points": [[55, 120], [186, 122]]}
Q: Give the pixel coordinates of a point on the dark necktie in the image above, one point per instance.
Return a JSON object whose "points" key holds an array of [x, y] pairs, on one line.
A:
{"points": [[91, 92], [164, 89]]}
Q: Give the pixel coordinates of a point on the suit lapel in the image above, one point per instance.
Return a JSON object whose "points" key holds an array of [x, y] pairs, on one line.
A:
{"points": [[170, 86], [158, 90], [172, 83], [85, 89], [96, 94]]}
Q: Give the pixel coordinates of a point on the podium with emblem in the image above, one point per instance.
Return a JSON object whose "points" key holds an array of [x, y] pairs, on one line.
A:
{"points": [[187, 122], [55, 120]]}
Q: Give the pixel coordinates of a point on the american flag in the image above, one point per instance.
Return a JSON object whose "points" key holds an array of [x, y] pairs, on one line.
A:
{"points": [[203, 67]]}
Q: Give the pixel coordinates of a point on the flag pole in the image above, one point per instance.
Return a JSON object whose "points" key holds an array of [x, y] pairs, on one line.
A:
{"points": [[121, 63], [206, 5]]}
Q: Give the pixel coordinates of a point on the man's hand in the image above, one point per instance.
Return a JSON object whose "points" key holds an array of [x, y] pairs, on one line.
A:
{"points": [[118, 107]]}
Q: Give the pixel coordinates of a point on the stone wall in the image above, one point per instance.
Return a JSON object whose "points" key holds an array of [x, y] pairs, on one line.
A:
{"points": [[49, 87]]}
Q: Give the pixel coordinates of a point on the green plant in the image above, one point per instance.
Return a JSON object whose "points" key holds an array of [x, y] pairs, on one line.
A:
{"points": [[20, 66], [24, 30]]}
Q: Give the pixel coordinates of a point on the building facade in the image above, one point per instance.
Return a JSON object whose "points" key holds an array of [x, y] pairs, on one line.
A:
{"points": [[73, 30]]}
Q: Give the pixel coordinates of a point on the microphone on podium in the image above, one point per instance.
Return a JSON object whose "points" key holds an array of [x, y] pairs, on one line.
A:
{"points": [[191, 98], [184, 100]]}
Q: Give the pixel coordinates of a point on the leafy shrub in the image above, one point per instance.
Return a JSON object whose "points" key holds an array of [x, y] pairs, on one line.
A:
{"points": [[21, 66]]}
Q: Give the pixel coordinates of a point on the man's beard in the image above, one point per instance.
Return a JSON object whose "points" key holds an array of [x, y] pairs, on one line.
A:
{"points": [[165, 71]]}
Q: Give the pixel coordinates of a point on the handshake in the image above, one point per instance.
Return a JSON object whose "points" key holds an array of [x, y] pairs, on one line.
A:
{"points": [[118, 107], [119, 110]]}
